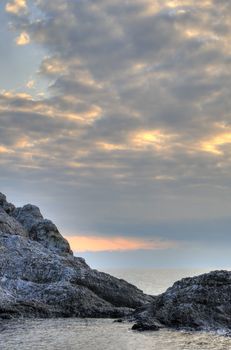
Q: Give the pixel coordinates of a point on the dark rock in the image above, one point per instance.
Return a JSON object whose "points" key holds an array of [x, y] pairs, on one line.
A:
{"points": [[28, 215], [145, 326], [40, 277], [200, 303], [6, 316], [8, 207], [119, 320], [10, 226]]}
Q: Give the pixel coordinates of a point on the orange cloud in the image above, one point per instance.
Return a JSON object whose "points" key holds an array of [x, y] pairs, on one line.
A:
{"points": [[97, 244], [4, 149], [24, 142], [16, 6]]}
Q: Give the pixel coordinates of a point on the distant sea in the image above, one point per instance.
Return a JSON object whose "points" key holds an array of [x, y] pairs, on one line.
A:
{"points": [[87, 334]]}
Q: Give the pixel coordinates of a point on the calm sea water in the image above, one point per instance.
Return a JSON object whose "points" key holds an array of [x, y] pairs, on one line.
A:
{"points": [[74, 334]]}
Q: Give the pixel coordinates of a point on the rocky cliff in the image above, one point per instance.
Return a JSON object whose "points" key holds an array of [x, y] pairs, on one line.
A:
{"points": [[201, 303], [40, 277]]}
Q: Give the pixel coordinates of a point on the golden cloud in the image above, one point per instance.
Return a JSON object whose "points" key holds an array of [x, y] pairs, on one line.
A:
{"points": [[156, 139], [213, 144], [111, 146], [153, 7], [53, 66], [20, 95], [140, 140], [24, 142], [23, 39], [16, 6], [184, 3], [4, 149], [42, 106]]}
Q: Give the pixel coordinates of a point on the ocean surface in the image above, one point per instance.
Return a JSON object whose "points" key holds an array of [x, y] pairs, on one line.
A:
{"points": [[87, 334]]}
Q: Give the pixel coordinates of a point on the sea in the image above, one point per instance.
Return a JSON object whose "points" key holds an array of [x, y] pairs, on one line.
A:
{"points": [[103, 334]]}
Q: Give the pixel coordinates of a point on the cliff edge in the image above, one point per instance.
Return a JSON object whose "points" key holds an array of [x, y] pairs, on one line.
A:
{"points": [[40, 276]]}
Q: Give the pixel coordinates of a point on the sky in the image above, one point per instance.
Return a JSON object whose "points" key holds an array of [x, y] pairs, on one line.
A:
{"points": [[115, 120]]}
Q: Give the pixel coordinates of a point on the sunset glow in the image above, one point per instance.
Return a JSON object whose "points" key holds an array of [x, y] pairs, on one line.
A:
{"points": [[97, 244]]}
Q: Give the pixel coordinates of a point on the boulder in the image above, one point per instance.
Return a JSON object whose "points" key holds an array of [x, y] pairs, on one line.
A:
{"points": [[145, 326], [199, 303], [27, 215]]}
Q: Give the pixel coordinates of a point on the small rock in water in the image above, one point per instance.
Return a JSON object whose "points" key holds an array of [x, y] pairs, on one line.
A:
{"points": [[119, 320], [143, 326]]}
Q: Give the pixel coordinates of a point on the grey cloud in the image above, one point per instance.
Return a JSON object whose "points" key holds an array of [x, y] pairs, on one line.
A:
{"points": [[166, 72]]}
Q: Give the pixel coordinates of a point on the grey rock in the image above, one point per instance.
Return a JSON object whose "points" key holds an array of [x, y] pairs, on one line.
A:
{"points": [[40, 229], [46, 233], [40, 277], [8, 207], [199, 303], [28, 215], [8, 225]]}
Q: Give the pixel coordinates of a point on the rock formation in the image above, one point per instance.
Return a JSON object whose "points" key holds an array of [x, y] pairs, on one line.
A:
{"points": [[200, 303], [40, 277]]}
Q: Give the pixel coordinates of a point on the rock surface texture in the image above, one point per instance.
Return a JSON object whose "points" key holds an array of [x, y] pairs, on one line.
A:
{"points": [[40, 277], [199, 303]]}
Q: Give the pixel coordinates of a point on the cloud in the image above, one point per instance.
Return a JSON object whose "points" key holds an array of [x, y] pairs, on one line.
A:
{"points": [[216, 142], [135, 125], [23, 39], [4, 149], [30, 84], [82, 244], [16, 6]]}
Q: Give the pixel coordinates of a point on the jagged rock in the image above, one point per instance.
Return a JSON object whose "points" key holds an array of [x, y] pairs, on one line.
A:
{"points": [[46, 233], [40, 229], [28, 215], [201, 303], [40, 277], [8, 207], [8, 225]]}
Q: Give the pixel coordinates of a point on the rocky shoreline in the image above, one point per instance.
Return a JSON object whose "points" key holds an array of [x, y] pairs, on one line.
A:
{"points": [[194, 303], [40, 277]]}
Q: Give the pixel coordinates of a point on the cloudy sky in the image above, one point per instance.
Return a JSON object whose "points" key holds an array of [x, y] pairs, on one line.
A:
{"points": [[115, 120]]}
